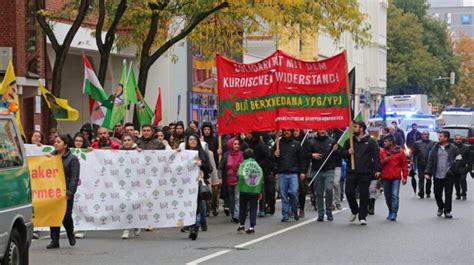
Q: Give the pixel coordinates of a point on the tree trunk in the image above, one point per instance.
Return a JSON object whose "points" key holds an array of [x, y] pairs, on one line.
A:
{"points": [[104, 62]]}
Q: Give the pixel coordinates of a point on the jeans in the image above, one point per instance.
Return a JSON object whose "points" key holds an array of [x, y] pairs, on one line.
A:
{"points": [[201, 212], [337, 186], [361, 182], [391, 189], [68, 224], [460, 184], [288, 187], [323, 186], [233, 201], [445, 184], [421, 181], [248, 201], [373, 190]]}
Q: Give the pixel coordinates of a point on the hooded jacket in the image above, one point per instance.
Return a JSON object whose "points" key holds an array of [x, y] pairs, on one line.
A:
{"points": [[292, 158], [322, 145], [367, 157], [396, 166], [211, 140]]}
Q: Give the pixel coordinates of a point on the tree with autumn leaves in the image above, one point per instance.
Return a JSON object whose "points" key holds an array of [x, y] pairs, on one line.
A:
{"points": [[154, 27], [464, 89]]}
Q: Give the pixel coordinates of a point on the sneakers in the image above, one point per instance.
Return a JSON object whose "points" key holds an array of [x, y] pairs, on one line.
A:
{"points": [[458, 198], [235, 220], [320, 218], [125, 234], [250, 231], [363, 222], [352, 218], [428, 196], [393, 216], [285, 219], [149, 229], [421, 195], [261, 214], [204, 228], [226, 211], [36, 235], [301, 213], [137, 231], [439, 213], [338, 206], [80, 235], [448, 216], [464, 197], [241, 229], [329, 215]]}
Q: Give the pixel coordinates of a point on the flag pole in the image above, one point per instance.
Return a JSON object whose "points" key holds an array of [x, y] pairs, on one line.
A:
{"points": [[127, 107], [351, 140], [321, 167]]}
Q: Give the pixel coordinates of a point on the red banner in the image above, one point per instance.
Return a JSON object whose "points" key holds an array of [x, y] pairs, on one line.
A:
{"points": [[282, 92]]}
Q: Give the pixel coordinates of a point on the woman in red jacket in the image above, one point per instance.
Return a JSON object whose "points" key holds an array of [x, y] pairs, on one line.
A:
{"points": [[394, 170]]}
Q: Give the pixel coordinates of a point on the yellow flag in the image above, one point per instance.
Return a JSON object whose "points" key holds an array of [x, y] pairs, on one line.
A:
{"points": [[59, 107], [9, 93], [48, 189]]}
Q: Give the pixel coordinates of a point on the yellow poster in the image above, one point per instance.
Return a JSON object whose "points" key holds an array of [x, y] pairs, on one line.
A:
{"points": [[48, 188]]}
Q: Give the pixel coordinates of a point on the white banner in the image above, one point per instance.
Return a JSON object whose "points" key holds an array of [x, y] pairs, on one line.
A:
{"points": [[131, 189]]}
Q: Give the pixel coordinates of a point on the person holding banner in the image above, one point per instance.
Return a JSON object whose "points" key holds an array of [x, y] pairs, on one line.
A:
{"points": [[290, 161], [105, 142], [128, 143], [367, 165], [71, 172], [202, 161], [317, 150]]}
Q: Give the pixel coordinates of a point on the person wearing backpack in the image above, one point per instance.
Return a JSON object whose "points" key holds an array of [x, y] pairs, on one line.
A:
{"points": [[250, 176]]}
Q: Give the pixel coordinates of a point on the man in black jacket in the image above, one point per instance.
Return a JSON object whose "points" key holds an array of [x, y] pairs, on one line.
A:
{"points": [[460, 182], [148, 141], [421, 150], [367, 165], [413, 136], [290, 161], [441, 167], [318, 149]]}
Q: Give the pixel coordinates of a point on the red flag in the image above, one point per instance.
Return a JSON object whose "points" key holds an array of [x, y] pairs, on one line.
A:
{"points": [[158, 115]]}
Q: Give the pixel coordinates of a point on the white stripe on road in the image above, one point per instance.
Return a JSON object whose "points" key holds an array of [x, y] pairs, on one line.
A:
{"points": [[222, 252]]}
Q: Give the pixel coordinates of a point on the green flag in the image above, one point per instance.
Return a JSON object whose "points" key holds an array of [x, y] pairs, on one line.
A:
{"points": [[120, 100], [345, 136], [130, 87], [144, 112]]}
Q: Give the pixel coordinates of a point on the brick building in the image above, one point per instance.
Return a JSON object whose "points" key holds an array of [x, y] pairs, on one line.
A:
{"points": [[22, 42]]}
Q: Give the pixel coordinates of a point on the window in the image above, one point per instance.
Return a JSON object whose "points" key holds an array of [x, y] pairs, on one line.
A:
{"points": [[466, 19], [10, 151]]}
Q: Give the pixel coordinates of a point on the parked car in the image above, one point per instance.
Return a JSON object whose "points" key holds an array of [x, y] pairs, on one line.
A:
{"points": [[16, 212]]}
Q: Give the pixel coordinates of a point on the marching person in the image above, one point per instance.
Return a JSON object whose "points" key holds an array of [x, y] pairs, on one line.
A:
{"points": [[367, 165], [290, 162], [212, 143], [398, 134], [263, 157], [105, 142], [421, 149], [202, 161], [229, 167], [394, 171], [128, 143], [250, 187], [317, 150], [178, 134], [80, 141], [441, 167], [413, 136], [71, 172], [460, 182], [148, 141]]}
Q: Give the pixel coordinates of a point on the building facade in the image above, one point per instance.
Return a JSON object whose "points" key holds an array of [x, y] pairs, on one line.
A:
{"points": [[458, 15]]}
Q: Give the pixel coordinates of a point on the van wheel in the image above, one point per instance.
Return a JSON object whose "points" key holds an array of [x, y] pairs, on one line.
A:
{"points": [[14, 249]]}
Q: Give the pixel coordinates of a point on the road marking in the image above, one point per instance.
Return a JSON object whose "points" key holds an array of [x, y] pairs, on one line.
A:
{"points": [[222, 252], [45, 237]]}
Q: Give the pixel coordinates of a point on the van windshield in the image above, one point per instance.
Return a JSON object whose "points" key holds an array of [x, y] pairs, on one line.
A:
{"points": [[10, 151]]}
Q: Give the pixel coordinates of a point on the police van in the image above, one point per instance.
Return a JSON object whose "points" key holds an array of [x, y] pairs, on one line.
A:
{"points": [[16, 212]]}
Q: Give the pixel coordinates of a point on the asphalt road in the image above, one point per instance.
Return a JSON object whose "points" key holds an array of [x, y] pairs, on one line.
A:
{"points": [[418, 237]]}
